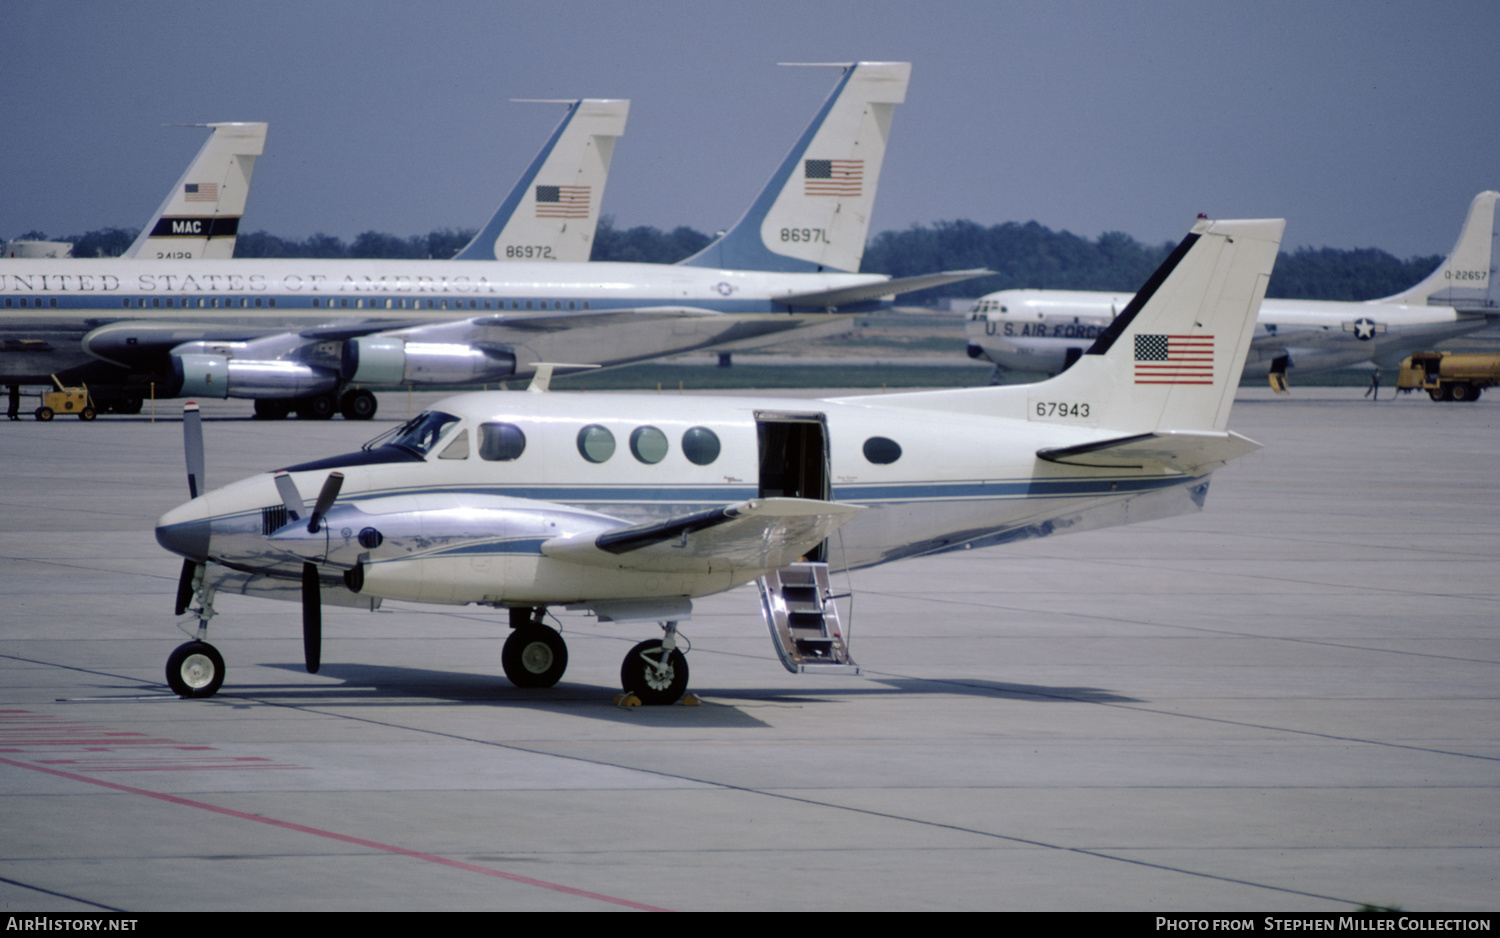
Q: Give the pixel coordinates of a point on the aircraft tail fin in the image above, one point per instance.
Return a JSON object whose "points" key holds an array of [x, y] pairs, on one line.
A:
{"points": [[1465, 279], [814, 214], [553, 210], [200, 217], [1171, 361]]}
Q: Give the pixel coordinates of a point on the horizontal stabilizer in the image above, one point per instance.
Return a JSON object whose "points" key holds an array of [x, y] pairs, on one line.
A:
{"points": [[1187, 451], [759, 535], [846, 296]]}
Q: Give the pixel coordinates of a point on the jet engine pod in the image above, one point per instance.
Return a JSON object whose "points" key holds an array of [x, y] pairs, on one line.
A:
{"points": [[373, 359], [206, 375], [202, 375], [389, 360]]}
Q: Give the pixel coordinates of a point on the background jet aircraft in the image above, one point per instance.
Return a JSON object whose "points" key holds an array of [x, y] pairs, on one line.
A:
{"points": [[1047, 330], [200, 217], [553, 210], [631, 506], [309, 335]]}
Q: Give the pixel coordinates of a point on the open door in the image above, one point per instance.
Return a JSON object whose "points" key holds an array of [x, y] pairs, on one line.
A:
{"points": [[794, 459]]}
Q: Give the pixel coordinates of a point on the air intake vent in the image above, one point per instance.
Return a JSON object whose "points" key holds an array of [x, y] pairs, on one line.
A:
{"points": [[273, 519]]}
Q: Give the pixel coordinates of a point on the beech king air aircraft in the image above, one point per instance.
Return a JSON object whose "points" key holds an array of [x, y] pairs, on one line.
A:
{"points": [[1047, 330], [631, 506], [310, 335], [550, 214]]}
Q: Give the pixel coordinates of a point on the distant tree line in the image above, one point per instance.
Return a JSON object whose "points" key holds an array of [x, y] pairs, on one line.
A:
{"points": [[1022, 255]]}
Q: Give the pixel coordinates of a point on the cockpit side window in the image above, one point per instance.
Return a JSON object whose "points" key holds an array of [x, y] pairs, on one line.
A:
{"points": [[423, 431], [458, 448]]}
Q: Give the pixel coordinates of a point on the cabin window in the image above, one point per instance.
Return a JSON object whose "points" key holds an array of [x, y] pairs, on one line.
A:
{"points": [[700, 445], [596, 443], [881, 451], [458, 449], [648, 444], [500, 442]]}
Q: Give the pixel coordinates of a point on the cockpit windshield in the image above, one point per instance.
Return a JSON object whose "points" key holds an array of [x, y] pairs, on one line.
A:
{"points": [[418, 435]]}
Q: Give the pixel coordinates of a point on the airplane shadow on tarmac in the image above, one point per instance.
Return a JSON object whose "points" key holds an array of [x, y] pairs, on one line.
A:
{"points": [[386, 686]]}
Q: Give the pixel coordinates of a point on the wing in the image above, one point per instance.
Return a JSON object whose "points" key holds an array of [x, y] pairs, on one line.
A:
{"points": [[759, 535], [874, 291]]}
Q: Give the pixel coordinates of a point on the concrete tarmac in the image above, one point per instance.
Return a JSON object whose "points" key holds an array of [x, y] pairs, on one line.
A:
{"points": [[1285, 703]]}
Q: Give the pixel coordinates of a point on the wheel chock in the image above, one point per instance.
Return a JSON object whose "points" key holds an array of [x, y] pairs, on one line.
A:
{"points": [[627, 699], [689, 700]]}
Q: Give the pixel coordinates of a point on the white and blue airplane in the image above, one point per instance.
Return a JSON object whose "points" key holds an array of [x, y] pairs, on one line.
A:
{"points": [[313, 336], [550, 214], [632, 506], [200, 217], [1047, 330]]}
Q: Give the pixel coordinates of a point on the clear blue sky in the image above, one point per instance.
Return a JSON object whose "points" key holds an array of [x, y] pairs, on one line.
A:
{"points": [[1364, 123]]}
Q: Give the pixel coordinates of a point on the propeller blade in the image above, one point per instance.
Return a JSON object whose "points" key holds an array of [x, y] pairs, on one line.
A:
{"points": [[325, 500], [192, 445], [312, 618], [290, 497], [185, 586]]}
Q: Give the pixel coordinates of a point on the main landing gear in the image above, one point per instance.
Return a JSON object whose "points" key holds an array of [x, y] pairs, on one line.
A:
{"points": [[195, 668], [356, 404], [655, 671], [534, 655]]}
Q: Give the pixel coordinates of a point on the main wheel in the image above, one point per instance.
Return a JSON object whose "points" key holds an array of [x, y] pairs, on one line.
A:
{"points": [[128, 405], [656, 687], [358, 405], [195, 669], [270, 408], [316, 407], [534, 656]]}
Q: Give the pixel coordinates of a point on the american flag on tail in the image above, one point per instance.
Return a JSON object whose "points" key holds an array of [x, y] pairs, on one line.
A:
{"points": [[1174, 359], [562, 201]]}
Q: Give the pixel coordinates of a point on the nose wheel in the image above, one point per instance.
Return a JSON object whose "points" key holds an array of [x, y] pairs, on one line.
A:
{"points": [[195, 669]]}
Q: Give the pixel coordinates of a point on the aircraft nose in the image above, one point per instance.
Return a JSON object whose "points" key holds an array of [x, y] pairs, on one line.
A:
{"points": [[185, 530]]}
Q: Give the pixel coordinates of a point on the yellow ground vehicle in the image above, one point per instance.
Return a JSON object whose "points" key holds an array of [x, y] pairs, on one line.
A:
{"points": [[66, 401], [1449, 376]]}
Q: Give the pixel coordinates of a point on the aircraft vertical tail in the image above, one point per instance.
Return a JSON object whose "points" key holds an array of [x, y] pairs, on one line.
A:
{"points": [[553, 210], [200, 217], [814, 214], [1172, 359], [1465, 279]]}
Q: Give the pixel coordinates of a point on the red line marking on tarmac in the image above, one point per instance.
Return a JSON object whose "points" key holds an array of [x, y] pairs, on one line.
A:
{"points": [[344, 838]]}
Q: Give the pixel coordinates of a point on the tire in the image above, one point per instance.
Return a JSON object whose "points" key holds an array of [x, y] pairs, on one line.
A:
{"points": [[1435, 393], [316, 407], [1459, 392], [44, 413], [272, 409], [358, 405], [195, 669], [654, 688], [88, 413], [128, 405], [534, 656]]}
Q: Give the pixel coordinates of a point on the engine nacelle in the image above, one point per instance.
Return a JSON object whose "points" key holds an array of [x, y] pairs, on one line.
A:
{"points": [[387, 360], [209, 375]]}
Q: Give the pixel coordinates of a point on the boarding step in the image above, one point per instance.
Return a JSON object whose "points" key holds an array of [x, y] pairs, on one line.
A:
{"points": [[804, 619]]}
